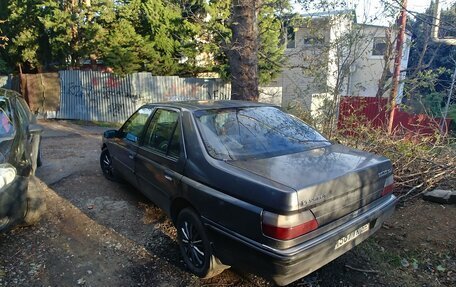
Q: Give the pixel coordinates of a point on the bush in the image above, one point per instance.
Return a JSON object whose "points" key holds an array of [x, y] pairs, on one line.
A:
{"points": [[421, 163]]}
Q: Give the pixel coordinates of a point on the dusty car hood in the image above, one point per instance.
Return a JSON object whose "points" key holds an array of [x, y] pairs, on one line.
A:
{"points": [[331, 180]]}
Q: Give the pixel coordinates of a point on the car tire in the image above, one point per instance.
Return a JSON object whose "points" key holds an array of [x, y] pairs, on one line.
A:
{"points": [[195, 246], [106, 165], [36, 203]]}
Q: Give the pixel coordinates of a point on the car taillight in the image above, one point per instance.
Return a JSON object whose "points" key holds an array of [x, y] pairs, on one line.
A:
{"points": [[285, 227], [389, 185]]}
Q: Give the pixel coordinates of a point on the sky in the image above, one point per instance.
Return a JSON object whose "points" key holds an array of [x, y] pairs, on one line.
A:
{"points": [[372, 11]]}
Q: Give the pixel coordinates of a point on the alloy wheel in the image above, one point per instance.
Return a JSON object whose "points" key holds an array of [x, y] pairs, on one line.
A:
{"points": [[106, 163], [193, 244]]}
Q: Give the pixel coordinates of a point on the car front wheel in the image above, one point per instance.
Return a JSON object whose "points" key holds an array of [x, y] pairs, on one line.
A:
{"points": [[195, 246], [106, 165]]}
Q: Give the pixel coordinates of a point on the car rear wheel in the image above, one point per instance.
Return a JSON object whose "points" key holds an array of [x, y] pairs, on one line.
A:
{"points": [[195, 247], [36, 204], [106, 165]]}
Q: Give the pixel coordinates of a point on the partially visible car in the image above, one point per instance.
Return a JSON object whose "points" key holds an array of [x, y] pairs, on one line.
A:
{"points": [[249, 185], [21, 197]]}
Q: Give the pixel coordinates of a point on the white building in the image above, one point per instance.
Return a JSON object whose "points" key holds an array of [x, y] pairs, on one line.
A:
{"points": [[330, 55]]}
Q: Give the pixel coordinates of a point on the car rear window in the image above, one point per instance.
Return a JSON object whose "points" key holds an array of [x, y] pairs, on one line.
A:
{"points": [[254, 132], [6, 119]]}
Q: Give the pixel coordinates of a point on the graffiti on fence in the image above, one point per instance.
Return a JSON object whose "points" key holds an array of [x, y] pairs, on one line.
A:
{"points": [[115, 109], [91, 95]]}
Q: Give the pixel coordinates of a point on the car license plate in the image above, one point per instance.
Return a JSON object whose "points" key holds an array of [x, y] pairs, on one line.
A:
{"points": [[351, 236]]}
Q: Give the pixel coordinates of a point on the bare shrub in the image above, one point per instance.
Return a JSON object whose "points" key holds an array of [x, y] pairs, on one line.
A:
{"points": [[421, 162]]}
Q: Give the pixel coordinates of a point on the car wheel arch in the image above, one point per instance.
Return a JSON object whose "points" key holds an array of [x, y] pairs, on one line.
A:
{"points": [[177, 205]]}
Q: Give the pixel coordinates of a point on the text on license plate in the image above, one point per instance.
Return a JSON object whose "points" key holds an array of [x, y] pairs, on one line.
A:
{"points": [[349, 237]]}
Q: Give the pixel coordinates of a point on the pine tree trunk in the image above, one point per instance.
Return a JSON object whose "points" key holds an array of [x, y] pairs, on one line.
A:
{"points": [[244, 48]]}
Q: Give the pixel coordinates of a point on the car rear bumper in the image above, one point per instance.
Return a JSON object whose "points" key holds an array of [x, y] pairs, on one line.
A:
{"points": [[13, 202], [284, 266]]}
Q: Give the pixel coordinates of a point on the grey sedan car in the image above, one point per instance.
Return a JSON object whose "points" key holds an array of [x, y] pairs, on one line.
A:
{"points": [[250, 186]]}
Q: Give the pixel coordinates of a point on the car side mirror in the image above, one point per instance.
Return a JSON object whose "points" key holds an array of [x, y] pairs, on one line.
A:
{"points": [[35, 129], [109, 134]]}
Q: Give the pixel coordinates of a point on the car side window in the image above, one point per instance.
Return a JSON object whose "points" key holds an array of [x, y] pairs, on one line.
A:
{"points": [[25, 108], [23, 112], [6, 124], [163, 133], [134, 126]]}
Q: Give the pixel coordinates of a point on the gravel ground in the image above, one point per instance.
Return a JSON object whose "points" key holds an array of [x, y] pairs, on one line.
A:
{"points": [[101, 233]]}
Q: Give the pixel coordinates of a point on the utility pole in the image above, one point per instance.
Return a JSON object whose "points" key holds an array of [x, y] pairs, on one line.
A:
{"points": [[397, 64], [443, 125]]}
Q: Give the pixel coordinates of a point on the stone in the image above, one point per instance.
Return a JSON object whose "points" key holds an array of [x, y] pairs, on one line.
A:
{"points": [[441, 196]]}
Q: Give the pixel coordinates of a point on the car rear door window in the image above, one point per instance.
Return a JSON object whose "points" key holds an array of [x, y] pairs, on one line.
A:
{"points": [[134, 126], [163, 133]]}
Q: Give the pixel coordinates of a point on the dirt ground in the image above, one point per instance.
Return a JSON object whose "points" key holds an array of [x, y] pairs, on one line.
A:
{"points": [[101, 233]]}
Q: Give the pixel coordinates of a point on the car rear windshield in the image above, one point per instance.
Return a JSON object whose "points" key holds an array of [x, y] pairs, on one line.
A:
{"points": [[254, 132], [6, 123]]}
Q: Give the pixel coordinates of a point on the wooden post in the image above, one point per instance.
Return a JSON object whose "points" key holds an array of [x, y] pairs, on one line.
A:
{"points": [[397, 65], [443, 122]]}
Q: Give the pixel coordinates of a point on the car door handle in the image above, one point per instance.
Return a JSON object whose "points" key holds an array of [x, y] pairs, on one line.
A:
{"points": [[168, 175]]}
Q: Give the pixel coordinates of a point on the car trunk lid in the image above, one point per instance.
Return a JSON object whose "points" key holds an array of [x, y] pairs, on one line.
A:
{"points": [[331, 181]]}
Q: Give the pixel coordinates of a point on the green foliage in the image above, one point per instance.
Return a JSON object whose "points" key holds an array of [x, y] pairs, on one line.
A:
{"points": [[75, 32], [165, 37], [271, 47], [433, 103], [4, 69], [162, 20], [430, 62], [26, 33], [3, 39], [124, 49]]}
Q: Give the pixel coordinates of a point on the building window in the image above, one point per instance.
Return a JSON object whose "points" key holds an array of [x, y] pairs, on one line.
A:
{"points": [[313, 40], [291, 42], [379, 47]]}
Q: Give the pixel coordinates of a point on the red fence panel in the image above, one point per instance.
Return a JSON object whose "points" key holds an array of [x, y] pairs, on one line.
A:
{"points": [[373, 111], [360, 110]]}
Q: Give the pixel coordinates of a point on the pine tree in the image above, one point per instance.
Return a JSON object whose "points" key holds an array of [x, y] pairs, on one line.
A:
{"points": [[27, 42], [75, 29], [271, 47]]}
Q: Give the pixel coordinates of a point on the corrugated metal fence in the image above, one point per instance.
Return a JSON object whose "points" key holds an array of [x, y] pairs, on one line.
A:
{"points": [[97, 96]]}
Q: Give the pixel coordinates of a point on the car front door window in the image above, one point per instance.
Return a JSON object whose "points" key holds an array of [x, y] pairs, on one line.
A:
{"points": [[163, 133], [133, 128]]}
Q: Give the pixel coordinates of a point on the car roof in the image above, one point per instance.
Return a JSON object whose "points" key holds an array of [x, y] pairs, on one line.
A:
{"points": [[210, 104]]}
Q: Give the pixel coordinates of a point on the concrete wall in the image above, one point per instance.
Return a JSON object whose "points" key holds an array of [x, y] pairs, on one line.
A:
{"points": [[367, 69], [306, 65]]}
